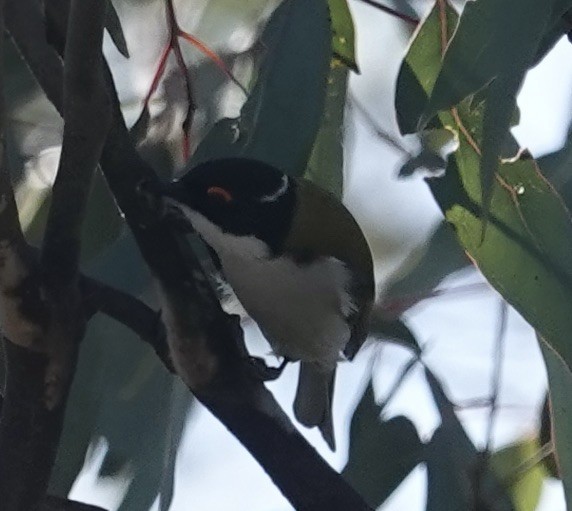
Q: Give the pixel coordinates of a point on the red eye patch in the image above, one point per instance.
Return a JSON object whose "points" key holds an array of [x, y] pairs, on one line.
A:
{"points": [[220, 193]]}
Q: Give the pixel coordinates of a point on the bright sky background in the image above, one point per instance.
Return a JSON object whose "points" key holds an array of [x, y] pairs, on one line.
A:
{"points": [[215, 473]]}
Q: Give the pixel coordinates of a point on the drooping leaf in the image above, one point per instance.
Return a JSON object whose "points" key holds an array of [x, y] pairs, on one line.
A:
{"points": [[492, 39], [279, 122], [560, 381], [419, 71], [343, 33], [113, 27], [382, 453], [442, 255], [525, 488], [556, 166], [154, 464], [436, 145], [326, 165], [458, 477], [526, 252], [386, 328], [498, 57], [545, 437], [180, 409], [120, 386]]}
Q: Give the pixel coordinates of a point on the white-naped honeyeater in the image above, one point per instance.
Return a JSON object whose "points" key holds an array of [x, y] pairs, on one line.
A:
{"points": [[295, 258]]}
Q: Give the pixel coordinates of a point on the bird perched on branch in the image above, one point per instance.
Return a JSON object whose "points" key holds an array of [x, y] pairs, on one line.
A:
{"points": [[297, 261]]}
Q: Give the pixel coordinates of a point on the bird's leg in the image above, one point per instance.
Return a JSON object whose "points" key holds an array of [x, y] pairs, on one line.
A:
{"points": [[262, 371], [255, 366]]}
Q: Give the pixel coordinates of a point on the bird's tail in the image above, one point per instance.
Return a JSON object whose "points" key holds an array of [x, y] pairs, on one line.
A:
{"points": [[313, 401]]}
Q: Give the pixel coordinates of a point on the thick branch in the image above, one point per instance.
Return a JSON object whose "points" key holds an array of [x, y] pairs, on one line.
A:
{"points": [[205, 344], [42, 312], [129, 311], [59, 504], [29, 431], [87, 117], [25, 23]]}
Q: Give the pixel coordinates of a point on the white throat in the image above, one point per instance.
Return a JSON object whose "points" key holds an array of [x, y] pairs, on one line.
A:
{"points": [[301, 310], [224, 243]]}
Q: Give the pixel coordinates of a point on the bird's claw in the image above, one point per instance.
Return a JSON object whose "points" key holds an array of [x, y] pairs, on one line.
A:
{"points": [[262, 371]]}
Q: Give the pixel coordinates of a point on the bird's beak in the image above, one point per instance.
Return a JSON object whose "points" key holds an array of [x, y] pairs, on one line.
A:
{"points": [[176, 191]]}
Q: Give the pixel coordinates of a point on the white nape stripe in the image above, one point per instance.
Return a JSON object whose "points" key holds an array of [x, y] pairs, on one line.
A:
{"points": [[282, 189]]}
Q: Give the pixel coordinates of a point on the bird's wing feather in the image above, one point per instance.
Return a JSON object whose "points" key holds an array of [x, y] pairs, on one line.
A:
{"points": [[323, 227]]}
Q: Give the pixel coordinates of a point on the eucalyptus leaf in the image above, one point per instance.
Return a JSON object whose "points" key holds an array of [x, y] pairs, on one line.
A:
{"points": [[120, 386], [392, 329], [113, 27], [557, 167], [279, 122], [343, 41], [326, 165], [524, 488], [526, 251], [497, 57], [382, 453], [419, 71], [560, 381], [458, 476], [441, 256]]}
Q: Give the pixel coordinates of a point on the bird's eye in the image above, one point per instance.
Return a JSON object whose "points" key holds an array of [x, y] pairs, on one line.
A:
{"points": [[219, 193]]}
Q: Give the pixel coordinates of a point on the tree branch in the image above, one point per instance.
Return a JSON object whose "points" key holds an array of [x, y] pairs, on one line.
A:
{"points": [[205, 343], [87, 117], [42, 312], [59, 504], [129, 311]]}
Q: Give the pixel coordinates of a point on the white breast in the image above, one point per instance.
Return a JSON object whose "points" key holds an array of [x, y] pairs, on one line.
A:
{"points": [[300, 309]]}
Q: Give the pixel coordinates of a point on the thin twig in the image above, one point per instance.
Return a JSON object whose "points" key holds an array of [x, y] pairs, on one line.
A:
{"points": [[527, 465], [175, 32], [442, 5], [385, 136], [393, 12], [176, 48], [129, 311], [497, 373]]}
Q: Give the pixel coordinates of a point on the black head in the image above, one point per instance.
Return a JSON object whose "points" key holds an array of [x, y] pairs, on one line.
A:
{"points": [[242, 196]]}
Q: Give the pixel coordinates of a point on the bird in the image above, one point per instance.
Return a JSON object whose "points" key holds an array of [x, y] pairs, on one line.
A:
{"points": [[297, 261]]}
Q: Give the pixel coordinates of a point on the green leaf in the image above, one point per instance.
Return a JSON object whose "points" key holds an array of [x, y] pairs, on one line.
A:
{"points": [[497, 56], [560, 381], [326, 165], [419, 71], [102, 225], [395, 329], [441, 256], [113, 27], [556, 167], [458, 477], [526, 251], [120, 386], [279, 122], [493, 39], [343, 37], [527, 486], [381, 454], [545, 436]]}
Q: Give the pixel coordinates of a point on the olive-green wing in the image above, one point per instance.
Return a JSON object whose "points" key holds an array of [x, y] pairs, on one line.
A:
{"points": [[323, 227]]}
